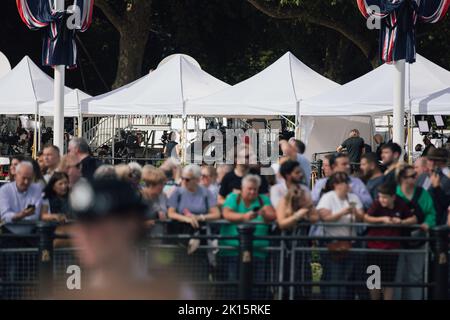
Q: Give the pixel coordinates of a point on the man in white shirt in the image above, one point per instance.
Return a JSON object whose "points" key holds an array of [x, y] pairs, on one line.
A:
{"points": [[21, 200]]}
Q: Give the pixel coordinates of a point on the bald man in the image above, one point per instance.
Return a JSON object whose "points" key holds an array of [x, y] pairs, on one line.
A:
{"points": [[22, 199]]}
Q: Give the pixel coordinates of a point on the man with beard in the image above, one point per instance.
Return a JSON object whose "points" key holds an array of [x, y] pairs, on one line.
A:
{"points": [[292, 176], [390, 155], [372, 175]]}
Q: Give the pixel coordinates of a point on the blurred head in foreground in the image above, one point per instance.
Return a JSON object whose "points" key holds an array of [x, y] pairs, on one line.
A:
{"points": [[111, 222]]}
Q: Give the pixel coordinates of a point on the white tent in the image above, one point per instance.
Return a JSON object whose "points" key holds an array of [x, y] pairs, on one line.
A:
{"points": [[372, 93], [72, 103], [162, 92], [5, 66], [436, 103], [24, 87], [274, 91]]}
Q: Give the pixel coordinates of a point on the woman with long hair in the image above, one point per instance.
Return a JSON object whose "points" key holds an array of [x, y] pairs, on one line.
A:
{"points": [[56, 195]]}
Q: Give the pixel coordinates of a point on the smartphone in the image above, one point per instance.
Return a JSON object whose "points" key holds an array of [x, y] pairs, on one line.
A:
{"points": [[31, 206]]}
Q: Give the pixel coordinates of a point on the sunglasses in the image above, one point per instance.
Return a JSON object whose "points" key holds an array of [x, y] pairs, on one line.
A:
{"points": [[205, 176], [149, 184], [411, 176], [186, 179]]}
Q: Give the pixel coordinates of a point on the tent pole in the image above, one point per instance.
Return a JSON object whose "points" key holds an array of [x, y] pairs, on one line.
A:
{"points": [[183, 138], [39, 132], [34, 155], [399, 103], [113, 134], [80, 125], [297, 120]]}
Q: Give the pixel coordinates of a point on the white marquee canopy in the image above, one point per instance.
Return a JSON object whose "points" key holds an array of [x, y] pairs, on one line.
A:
{"points": [[24, 87], [162, 92], [372, 93], [274, 91], [72, 104]]}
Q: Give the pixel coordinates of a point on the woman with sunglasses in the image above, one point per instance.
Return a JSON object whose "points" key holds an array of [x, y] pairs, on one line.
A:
{"points": [[208, 179], [342, 207], [192, 203], [411, 265]]}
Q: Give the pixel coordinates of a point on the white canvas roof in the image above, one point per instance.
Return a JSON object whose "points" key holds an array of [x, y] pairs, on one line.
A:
{"points": [[373, 92], [5, 66], [274, 91], [162, 92], [72, 103], [436, 103], [24, 87]]}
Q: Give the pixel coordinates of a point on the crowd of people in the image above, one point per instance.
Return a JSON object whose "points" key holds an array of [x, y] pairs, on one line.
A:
{"points": [[382, 190]]}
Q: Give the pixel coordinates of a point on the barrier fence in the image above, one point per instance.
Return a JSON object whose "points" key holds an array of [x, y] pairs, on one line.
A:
{"points": [[282, 265]]}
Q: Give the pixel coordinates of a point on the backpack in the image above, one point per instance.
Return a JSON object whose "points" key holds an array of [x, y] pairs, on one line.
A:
{"points": [[175, 227]]}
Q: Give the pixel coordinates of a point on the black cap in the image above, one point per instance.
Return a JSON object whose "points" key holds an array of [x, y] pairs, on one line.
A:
{"points": [[102, 198]]}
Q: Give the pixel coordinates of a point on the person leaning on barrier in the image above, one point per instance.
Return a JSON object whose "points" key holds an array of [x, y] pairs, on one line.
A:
{"points": [[292, 200], [411, 265], [22, 199], [387, 210], [339, 206], [110, 215], [152, 190], [56, 198], [192, 203], [247, 206]]}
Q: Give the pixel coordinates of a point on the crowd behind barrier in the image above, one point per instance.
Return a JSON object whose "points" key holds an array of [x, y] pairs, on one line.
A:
{"points": [[296, 265], [291, 230]]}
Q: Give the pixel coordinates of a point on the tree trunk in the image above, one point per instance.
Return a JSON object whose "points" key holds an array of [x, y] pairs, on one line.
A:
{"points": [[131, 55], [133, 26]]}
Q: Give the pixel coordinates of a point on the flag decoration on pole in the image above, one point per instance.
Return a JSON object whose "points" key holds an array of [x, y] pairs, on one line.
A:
{"points": [[59, 47], [398, 24]]}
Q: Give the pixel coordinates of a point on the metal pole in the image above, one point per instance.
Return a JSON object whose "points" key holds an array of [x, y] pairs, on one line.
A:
{"points": [[58, 131], [34, 155], [245, 261], [113, 136], [297, 120], [440, 265], [46, 233], [399, 103]]}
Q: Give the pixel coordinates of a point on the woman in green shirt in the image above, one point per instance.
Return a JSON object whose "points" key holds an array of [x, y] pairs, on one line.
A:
{"points": [[248, 206], [411, 265]]}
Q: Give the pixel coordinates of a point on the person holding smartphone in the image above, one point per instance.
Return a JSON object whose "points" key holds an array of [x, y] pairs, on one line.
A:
{"points": [[247, 206], [21, 199]]}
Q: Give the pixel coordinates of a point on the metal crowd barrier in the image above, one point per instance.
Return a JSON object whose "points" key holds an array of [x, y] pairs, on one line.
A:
{"points": [[293, 266]]}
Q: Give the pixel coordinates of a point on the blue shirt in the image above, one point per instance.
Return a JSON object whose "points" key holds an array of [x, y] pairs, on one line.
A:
{"points": [[357, 186], [198, 202], [12, 201], [306, 167]]}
